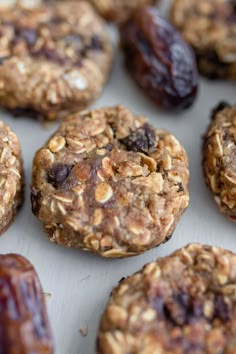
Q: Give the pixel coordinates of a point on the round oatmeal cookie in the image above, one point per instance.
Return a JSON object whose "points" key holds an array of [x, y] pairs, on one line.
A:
{"points": [[183, 303], [11, 176], [219, 158], [53, 59], [110, 183], [210, 27]]}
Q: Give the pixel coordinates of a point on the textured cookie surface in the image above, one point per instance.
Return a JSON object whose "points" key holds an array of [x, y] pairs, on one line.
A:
{"points": [[110, 183], [11, 176], [210, 27], [52, 58], [181, 304], [219, 158]]}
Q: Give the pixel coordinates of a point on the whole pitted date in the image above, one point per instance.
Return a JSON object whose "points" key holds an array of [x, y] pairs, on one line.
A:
{"points": [[24, 327], [159, 60]]}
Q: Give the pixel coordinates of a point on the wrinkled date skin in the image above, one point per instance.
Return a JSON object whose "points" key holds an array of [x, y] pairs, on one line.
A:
{"points": [[159, 60], [24, 327]]}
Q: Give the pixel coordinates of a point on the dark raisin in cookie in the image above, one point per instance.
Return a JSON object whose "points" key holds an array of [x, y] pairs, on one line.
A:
{"points": [[159, 60], [11, 176], [219, 158], [52, 58], [181, 304], [110, 183], [209, 27]]}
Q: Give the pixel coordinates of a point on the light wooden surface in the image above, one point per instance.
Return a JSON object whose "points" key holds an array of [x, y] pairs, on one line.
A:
{"points": [[80, 283]]}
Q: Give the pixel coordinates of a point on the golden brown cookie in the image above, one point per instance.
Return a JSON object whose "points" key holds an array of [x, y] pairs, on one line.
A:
{"points": [[109, 182], [219, 158], [210, 27], [181, 304], [11, 176], [52, 58]]}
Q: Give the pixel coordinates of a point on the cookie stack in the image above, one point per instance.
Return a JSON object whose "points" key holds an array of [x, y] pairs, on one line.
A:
{"points": [[109, 182]]}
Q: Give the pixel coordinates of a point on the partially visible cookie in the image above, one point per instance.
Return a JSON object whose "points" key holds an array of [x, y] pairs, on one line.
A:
{"points": [[11, 176], [109, 182], [209, 26], [181, 304], [219, 158], [52, 58]]}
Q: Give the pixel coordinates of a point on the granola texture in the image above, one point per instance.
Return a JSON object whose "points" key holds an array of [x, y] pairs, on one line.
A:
{"points": [[210, 27], [219, 158], [53, 59], [11, 176], [181, 304], [110, 183]]}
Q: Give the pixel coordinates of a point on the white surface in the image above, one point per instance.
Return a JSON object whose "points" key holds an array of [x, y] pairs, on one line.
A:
{"points": [[79, 282]]}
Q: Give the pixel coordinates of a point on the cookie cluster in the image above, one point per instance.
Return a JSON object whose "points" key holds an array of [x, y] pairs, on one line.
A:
{"points": [[109, 182]]}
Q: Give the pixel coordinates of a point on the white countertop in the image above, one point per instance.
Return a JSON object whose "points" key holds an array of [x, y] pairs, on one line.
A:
{"points": [[80, 283]]}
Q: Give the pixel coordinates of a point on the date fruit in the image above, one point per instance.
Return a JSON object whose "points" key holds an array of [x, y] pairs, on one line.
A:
{"points": [[24, 327], [159, 60]]}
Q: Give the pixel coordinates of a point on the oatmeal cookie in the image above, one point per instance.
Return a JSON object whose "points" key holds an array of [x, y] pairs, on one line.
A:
{"points": [[11, 176], [52, 58], [180, 304], [210, 27], [219, 158], [110, 183]]}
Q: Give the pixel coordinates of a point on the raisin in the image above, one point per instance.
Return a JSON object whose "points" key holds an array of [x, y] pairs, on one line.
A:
{"points": [[181, 310], [51, 55], [35, 201], [95, 43], [29, 35], [19, 112], [141, 140], [222, 105], [222, 309], [58, 174], [159, 60], [24, 324]]}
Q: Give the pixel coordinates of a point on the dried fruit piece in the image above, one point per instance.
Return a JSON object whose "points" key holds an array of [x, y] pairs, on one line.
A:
{"points": [[219, 158], [24, 327], [159, 60], [141, 140]]}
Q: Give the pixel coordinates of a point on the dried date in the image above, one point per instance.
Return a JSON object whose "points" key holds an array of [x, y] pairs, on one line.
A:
{"points": [[24, 324], [159, 60]]}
